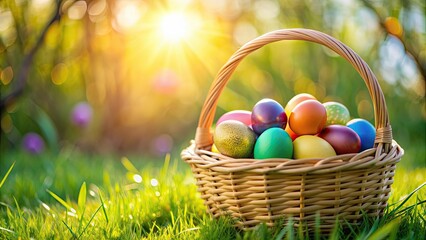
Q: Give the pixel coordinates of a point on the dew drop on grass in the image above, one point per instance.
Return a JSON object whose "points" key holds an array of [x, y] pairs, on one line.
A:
{"points": [[46, 206], [157, 193], [137, 178], [154, 182], [92, 193]]}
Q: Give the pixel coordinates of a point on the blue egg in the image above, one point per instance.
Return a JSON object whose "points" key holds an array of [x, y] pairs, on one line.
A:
{"points": [[365, 130]]}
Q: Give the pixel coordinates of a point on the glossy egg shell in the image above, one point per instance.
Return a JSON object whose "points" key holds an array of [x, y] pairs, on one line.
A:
{"points": [[309, 146], [337, 113], [267, 113], [273, 143], [296, 100], [291, 133], [239, 115], [341, 138], [365, 130], [308, 118]]}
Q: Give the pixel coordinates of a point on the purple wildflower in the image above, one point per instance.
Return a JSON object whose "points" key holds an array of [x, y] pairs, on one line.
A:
{"points": [[33, 143], [82, 114]]}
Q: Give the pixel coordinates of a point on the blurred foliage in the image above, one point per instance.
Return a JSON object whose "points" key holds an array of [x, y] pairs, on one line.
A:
{"points": [[146, 76]]}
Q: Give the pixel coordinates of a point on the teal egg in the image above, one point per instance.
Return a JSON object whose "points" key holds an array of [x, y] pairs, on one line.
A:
{"points": [[273, 143]]}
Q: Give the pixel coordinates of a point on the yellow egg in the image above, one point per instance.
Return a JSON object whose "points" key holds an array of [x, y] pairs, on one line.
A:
{"points": [[214, 149], [309, 146]]}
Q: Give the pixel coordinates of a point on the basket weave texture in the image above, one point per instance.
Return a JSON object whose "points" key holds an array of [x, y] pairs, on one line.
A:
{"points": [[340, 188]]}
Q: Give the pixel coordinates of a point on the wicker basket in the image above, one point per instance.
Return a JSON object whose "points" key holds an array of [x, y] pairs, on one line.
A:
{"points": [[340, 188]]}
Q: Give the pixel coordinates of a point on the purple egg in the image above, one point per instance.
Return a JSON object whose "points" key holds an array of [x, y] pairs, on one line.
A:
{"points": [[341, 138], [33, 143], [267, 113], [82, 114]]}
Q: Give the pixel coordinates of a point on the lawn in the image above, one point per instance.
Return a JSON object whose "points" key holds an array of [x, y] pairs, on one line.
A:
{"points": [[79, 196]]}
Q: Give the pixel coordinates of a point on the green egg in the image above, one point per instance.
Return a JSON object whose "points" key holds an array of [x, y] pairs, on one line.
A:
{"points": [[337, 113], [273, 143]]}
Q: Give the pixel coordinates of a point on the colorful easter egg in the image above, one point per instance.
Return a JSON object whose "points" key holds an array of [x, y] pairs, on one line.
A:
{"points": [[234, 139], [365, 130], [296, 100], [337, 113], [308, 146], [267, 113], [308, 117], [239, 115], [273, 143], [341, 138]]}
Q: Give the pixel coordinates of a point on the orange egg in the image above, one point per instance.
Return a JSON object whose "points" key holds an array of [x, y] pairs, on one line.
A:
{"points": [[290, 132], [308, 117], [296, 100]]}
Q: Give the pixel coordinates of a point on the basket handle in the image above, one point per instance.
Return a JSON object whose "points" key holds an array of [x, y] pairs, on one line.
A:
{"points": [[204, 138]]}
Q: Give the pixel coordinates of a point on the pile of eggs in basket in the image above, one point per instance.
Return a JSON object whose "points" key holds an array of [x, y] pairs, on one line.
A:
{"points": [[305, 128]]}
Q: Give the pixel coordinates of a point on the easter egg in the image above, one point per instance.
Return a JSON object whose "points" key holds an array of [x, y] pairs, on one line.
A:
{"points": [[337, 113], [296, 100], [341, 138], [273, 143], [234, 139], [308, 117], [365, 130], [214, 149], [239, 115], [291, 133], [309, 146], [267, 113]]}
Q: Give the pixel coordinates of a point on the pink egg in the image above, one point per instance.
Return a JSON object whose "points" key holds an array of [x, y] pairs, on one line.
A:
{"points": [[341, 138], [238, 115]]}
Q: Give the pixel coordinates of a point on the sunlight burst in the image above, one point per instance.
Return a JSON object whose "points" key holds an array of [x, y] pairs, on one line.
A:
{"points": [[175, 27]]}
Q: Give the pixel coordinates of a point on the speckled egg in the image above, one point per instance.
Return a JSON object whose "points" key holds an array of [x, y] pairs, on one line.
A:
{"points": [[337, 113]]}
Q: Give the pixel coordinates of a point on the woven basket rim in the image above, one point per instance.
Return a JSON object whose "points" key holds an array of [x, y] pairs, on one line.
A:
{"points": [[217, 162]]}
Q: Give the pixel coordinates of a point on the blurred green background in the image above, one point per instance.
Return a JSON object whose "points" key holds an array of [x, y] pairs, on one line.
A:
{"points": [[145, 67]]}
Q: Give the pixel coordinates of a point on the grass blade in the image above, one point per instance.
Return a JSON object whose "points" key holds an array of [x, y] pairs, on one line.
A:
{"points": [[7, 174], [103, 207], [6, 230], [90, 220], [82, 198], [61, 201], [129, 165], [69, 229], [407, 198], [385, 231]]}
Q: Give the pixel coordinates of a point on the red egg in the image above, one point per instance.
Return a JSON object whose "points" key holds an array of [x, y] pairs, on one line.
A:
{"points": [[341, 138], [308, 118], [239, 115]]}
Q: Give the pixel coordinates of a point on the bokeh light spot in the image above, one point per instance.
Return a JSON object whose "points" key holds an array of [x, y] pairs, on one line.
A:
{"points": [[393, 26], [6, 123], [33, 143], [154, 182], [127, 15], [59, 74], [162, 144], [137, 178], [6, 20], [6, 75], [77, 10]]}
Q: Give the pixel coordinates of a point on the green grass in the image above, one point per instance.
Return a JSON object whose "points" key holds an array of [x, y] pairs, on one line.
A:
{"points": [[75, 196]]}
